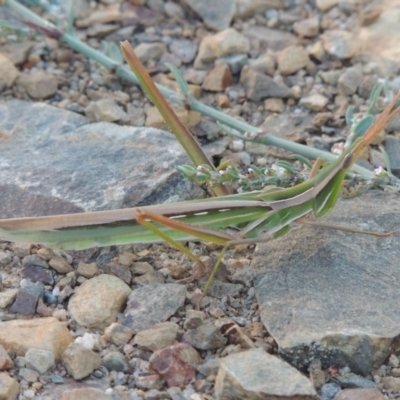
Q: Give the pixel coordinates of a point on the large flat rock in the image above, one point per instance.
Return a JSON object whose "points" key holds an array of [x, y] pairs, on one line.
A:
{"points": [[54, 161], [334, 295]]}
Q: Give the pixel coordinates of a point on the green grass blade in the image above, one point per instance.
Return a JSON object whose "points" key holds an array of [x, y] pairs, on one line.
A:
{"points": [[184, 137]]}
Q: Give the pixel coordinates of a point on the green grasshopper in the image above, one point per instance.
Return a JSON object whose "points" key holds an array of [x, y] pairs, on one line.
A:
{"points": [[229, 220]]}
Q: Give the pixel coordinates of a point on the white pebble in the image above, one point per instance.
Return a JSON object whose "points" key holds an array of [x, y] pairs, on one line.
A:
{"points": [[262, 161], [237, 145], [88, 340], [29, 394]]}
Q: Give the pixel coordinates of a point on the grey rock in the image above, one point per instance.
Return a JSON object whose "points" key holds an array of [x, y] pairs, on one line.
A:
{"points": [[258, 86], [243, 376], [40, 360], [174, 10], [356, 381], [105, 110], [263, 38], [220, 289], [151, 304], [20, 361], [141, 268], [57, 379], [150, 51], [235, 61], [209, 367], [38, 274], [330, 77], [106, 177], [249, 8], [392, 147], [34, 260], [366, 86], [27, 299], [206, 337], [115, 361], [157, 337], [155, 394], [149, 382], [350, 80], [29, 374], [265, 64], [184, 49], [118, 334], [331, 295], [193, 319], [216, 15], [149, 278], [5, 259], [393, 125], [341, 44], [176, 393], [122, 271], [329, 391]]}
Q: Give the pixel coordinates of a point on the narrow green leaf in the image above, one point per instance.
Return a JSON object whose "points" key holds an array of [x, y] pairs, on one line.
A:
{"points": [[70, 17], [303, 160], [386, 160], [349, 116], [286, 165], [185, 138], [179, 79], [373, 98], [115, 53], [363, 126]]}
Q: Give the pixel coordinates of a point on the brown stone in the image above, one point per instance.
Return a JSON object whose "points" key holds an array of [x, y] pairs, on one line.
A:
{"points": [[292, 59], [41, 333], [218, 79], [5, 360], [80, 361], [85, 394], [8, 73], [97, 301], [60, 264], [9, 387], [39, 85]]}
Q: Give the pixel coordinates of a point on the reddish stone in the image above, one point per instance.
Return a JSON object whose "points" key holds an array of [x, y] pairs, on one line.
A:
{"points": [[175, 364]]}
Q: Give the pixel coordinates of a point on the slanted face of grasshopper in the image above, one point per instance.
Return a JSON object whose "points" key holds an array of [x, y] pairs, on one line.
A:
{"points": [[260, 215]]}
